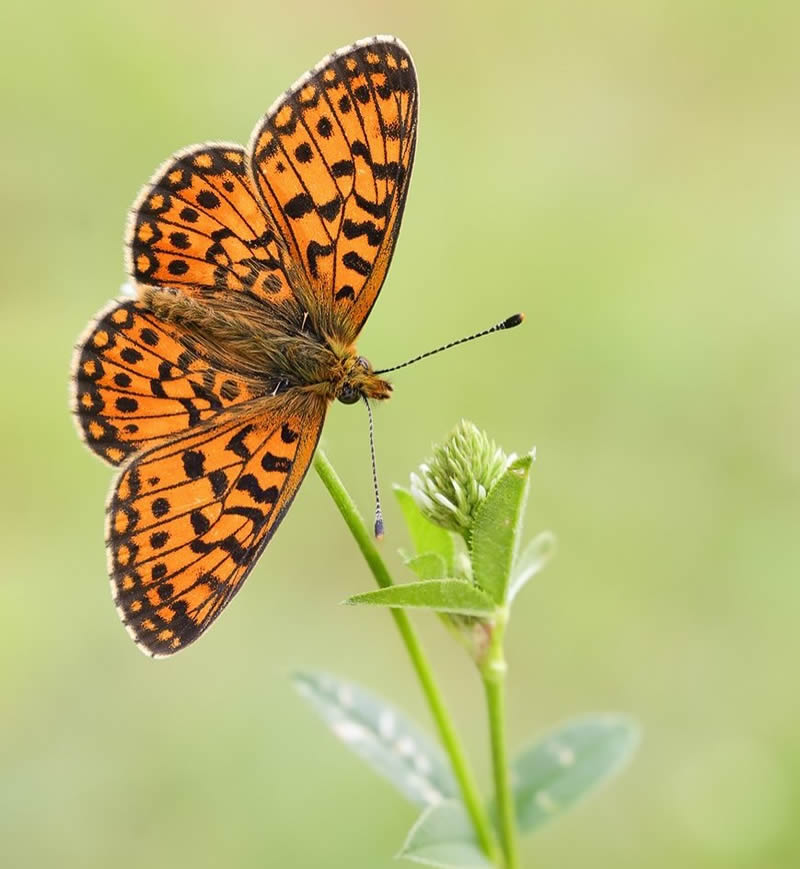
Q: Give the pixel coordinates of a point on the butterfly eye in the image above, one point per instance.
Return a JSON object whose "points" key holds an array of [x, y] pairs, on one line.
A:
{"points": [[348, 395], [363, 363]]}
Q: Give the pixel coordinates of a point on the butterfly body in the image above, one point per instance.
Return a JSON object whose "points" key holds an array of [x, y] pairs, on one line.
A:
{"points": [[280, 357]]}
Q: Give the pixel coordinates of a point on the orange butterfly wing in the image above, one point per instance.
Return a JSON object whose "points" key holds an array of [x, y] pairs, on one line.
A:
{"points": [[198, 226], [138, 380], [188, 519], [332, 161], [304, 222]]}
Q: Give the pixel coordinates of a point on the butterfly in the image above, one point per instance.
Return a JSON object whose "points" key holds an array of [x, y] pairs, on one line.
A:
{"points": [[254, 271]]}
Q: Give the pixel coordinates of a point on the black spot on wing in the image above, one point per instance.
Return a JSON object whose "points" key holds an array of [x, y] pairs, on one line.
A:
{"points": [[355, 263], [159, 539], [288, 435], [324, 127], [178, 267], [354, 229], [160, 507], [346, 292], [236, 444], [200, 524], [193, 464], [374, 209], [271, 462], [256, 516], [303, 153], [239, 554], [389, 170], [314, 251], [299, 206], [342, 168], [201, 547], [126, 405], [208, 199], [359, 149], [329, 210], [219, 483], [248, 483]]}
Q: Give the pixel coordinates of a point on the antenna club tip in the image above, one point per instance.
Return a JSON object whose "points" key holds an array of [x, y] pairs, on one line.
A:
{"points": [[512, 321], [379, 529]]}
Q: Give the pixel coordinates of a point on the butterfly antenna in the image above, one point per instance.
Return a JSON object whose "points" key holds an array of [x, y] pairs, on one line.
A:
{"points": [[378, 511], [508, 323]]}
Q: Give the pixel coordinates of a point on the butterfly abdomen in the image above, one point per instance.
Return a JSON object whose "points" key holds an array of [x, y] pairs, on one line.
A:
{"points": [[282, 353], [238, 337]]}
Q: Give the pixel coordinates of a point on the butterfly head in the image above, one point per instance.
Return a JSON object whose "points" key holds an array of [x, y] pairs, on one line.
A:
{"points": [[358, 380]]}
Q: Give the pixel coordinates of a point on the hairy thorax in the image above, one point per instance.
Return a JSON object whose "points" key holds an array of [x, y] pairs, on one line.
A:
{"points": [[280, 352]]}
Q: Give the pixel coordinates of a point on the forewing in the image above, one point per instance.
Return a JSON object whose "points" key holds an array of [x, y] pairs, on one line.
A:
{"points": [[332, 160], [188, 519], [138, 380], [198, 226]]}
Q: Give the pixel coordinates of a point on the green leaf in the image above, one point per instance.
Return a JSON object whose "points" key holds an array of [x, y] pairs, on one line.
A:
{"points": [[381, 736], [570, 762], [425, 536], [495, 531], [441, 595], [431, 565], [443, 836], [532, 560]]}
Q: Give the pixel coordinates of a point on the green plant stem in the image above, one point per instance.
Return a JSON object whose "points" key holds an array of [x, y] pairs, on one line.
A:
{"points": [[493, 672], [447, 731]]}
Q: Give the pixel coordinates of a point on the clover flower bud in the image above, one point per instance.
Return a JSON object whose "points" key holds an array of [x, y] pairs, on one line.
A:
{"points": [[450, 487]]}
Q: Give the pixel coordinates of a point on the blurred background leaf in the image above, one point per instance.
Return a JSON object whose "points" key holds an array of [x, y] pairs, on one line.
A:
{"points": [[443, 836], [532, 559], [626, 173], [570, 762], [382, 736]]}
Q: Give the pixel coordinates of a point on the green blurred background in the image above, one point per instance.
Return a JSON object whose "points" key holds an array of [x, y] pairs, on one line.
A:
{"points": [[625, 172]]}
